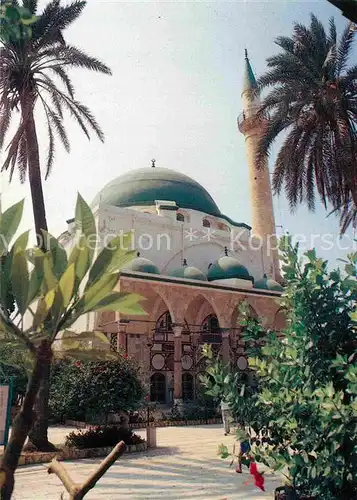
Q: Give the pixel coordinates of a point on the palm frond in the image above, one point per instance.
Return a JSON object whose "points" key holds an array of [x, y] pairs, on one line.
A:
{"points": [[68, 14], [344, 49], [61, 73], [274, 126], [31, 5], [5, 120], [71, 56], [332, 37], [61, 131], [51, 150]]}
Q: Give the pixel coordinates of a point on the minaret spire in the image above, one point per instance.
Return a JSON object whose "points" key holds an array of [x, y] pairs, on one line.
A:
{"points": [[252, 125], [249, 82]]}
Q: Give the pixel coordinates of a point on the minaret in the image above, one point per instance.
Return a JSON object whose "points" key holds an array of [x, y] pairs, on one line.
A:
{"points": [[261, 198]]}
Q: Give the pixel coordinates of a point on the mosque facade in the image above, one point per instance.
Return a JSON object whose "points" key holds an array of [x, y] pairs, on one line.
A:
{"points": [[194, 266]]}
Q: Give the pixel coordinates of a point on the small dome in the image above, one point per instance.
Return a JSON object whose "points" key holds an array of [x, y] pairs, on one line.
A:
{"points": [[188, 272], [227, 268], [141, 265], [268, 284]]}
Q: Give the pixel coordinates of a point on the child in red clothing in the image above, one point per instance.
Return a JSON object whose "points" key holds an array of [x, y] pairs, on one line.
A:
{"points": [[244, 450]]}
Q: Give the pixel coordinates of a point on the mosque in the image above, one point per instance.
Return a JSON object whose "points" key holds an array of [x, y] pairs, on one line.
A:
{"points": [[194, 266]]}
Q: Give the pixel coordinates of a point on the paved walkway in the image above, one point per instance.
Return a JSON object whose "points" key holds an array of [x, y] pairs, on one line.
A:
{"points": [[185, 465]]}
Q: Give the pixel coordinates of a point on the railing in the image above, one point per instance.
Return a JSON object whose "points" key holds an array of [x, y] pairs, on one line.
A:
{"points": [[211, 338]]}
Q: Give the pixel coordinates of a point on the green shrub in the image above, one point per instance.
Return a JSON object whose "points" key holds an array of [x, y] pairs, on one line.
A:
{"points": [[308, 382], [91, 390], [100, 437]]}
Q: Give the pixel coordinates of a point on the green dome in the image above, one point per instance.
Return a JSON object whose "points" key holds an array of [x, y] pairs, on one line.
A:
{"points": [[227, 267], [188, 272], [141, 265], [143, 186], [268, 284]]}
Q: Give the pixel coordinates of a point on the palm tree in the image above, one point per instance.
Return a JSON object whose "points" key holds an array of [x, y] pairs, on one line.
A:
{"points": [[312, 102], [31, 68], [34, 72]]}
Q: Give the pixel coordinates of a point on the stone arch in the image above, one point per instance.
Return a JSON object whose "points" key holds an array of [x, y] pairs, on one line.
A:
{"points": [[198, 309], [159, 306], [235, 314], [279, 319], [170, 264]]}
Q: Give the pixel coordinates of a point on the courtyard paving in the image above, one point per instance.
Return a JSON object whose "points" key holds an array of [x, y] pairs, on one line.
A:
{"points": [[185, 465]]}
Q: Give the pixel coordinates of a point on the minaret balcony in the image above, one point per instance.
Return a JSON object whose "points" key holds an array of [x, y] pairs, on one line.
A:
{"points": [[248, 120]]}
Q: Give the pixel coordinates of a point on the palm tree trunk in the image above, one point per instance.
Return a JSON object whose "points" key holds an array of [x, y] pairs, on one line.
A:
{"points": [[24, 420], [38, 436], [34, 173]]}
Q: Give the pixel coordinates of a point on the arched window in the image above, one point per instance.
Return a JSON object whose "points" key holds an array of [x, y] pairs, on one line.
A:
{"points": [[180, 217], [163, 326], [223, 227], [210, 330], [158, 388], [206, 223], [187, 387], [280, 320], [210, 324]]}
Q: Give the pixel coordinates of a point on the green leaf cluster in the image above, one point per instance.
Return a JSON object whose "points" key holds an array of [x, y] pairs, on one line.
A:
{"points": [[15, 22], [42, 294], [90, 390], [307, 381]]}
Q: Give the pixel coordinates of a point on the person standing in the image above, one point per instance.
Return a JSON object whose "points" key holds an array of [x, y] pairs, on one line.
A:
{"points": [[225, 409]]}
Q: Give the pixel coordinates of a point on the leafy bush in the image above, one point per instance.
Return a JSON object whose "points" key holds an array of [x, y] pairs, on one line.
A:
{"points": [[308, 382], [92, 389], [223, 383], [98, 437], [13, 364]]}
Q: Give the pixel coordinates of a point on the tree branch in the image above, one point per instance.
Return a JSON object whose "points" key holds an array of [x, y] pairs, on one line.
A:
{"points": [[77, 491]]}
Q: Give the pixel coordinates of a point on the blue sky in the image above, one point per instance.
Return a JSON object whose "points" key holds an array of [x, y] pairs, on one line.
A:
{"points": [[175, 96]]}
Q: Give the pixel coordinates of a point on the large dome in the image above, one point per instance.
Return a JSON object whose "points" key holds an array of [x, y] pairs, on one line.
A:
{"points": [[143, 186]]}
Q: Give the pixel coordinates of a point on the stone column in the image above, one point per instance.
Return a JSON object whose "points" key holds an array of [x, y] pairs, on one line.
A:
{"points": [[195, 341], [225, 345], [177, 329], [122, 343]]}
